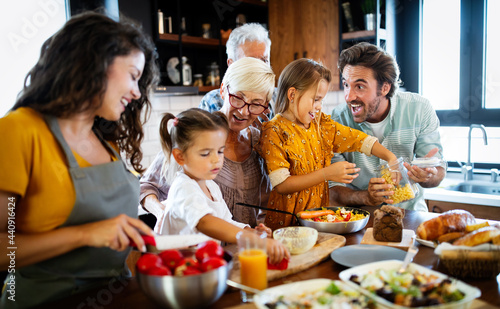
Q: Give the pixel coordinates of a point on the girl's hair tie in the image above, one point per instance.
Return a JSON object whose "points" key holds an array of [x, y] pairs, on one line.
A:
{"points": [[175, 121]]}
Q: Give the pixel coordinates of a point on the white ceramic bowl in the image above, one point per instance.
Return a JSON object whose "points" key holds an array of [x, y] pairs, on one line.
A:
{"points": [[470, 292], [298, 239]]}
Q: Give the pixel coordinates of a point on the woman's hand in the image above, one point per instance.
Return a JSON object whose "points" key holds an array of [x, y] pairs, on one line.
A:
{"points": [[115, 233], [276, 251], [343, 172]]}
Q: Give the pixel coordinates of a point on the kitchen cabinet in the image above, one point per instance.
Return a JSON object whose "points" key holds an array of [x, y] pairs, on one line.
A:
{"points": [[353, 29], [186, 36], [479, 211], [308, 29]]}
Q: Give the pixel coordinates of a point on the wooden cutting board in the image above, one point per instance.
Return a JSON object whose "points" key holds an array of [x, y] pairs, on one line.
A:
{"points": [[324, 246], [405, 243]]}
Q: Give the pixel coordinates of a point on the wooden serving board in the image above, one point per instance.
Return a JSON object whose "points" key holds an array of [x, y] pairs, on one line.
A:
{"points": [[324, 246], [406, 242]]}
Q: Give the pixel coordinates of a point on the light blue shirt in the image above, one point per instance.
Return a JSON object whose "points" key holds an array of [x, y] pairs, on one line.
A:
{"points": [[411, 131]]}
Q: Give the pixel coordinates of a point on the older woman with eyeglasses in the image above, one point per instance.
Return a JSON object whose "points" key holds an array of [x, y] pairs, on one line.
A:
{"points": [[246, 89]]}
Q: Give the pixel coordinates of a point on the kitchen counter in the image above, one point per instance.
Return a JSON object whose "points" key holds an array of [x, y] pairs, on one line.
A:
{"points": [[127, 293], [440, 193]]}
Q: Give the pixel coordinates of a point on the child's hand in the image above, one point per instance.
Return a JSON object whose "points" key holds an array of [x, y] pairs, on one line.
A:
{"points": [[262, 228], [344, 172], [276, 251]]}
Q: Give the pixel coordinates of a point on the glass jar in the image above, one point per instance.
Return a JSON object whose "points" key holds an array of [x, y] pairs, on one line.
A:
{"points": [[396, 174], [198, 80]]}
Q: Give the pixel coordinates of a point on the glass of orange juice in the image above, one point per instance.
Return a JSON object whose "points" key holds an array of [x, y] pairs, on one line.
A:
{"points": [[253, 261]]}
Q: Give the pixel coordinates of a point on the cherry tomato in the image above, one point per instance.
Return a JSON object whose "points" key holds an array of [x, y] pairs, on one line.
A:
{"points": [[171, 258], [147, 261], [188, 266], [212, 263], [210, 248], [159, 271]]}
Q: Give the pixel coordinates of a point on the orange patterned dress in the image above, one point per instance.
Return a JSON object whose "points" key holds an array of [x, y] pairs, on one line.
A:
{"points": [[289, 149]]}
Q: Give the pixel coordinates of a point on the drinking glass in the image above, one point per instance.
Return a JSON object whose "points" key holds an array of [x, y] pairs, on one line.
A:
{"points": [[253, 261]]}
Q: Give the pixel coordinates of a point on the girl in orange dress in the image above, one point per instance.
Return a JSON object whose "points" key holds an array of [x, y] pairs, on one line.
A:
{"points": [[300, 141]]}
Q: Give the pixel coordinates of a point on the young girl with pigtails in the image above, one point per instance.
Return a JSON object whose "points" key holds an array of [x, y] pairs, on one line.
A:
{"points": [[193, 143]]}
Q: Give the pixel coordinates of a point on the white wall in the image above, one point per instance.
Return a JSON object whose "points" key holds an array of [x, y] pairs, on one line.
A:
{"points": [[24, 25]]}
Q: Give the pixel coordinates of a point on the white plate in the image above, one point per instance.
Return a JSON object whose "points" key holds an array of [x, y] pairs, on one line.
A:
{"points": [[299, 287], [470, 292], [355, 255], [428, 243]]}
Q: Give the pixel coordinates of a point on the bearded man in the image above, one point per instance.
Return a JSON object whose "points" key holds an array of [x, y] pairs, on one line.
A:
{"points": [[405, 123]]}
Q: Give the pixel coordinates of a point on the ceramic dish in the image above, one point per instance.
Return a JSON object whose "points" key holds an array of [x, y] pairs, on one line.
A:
{"points": [[354, 255], [308, 290], [338, 227], [470, 292]]}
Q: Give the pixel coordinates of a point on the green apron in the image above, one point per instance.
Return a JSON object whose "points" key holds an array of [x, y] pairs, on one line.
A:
{"points": [[102, 192]]}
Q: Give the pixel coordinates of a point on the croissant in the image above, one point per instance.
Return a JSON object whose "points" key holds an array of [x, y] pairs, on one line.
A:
{"points": [[481, 236], [451, 221]]}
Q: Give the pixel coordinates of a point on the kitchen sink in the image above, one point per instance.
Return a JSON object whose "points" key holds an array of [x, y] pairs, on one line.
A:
{"points": [[475, 186]]}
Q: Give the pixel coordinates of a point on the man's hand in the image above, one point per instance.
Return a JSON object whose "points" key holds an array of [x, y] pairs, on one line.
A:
{"points": [[378, 191], [422, 175]]}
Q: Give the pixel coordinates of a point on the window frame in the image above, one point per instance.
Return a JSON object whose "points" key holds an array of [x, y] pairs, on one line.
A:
{"points": [[472, 63]]}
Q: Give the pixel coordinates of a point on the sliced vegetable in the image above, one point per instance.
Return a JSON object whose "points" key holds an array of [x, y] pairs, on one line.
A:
{"points": [[314, 213]]}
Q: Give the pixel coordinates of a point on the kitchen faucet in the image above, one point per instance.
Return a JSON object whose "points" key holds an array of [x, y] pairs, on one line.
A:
{"points": [[468, 169]]}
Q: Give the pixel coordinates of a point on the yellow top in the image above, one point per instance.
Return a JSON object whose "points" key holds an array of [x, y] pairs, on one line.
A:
{"points": [[289, 149], [34, 166]]}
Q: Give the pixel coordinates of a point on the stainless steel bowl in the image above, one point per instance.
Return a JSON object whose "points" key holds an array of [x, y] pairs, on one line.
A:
{"points": [[338, 227], [195, 291]]}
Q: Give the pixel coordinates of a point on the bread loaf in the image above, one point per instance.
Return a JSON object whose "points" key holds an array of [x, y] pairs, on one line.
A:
{"points": [[451, 221], [388, 224], [481, 236]]}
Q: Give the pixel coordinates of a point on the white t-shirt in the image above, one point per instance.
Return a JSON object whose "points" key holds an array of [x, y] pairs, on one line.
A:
{"points": [[378, 128], [186, 204]]}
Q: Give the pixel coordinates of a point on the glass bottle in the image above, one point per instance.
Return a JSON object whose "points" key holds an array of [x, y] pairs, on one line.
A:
{"points": [[213, 78], [187, 78]]}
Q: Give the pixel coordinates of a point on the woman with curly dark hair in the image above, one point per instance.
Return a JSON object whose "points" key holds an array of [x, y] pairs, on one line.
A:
{"points": [[68, 203]]}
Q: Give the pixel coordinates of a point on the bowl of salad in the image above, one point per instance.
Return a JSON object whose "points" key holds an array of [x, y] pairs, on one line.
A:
{"points": [[314, 293], [418, 286], [332, 219]]}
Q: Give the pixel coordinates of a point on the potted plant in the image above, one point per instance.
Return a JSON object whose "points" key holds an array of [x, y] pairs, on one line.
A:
{"points": [[369, 8]]}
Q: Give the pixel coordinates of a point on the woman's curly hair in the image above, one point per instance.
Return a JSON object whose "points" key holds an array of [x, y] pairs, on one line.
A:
{"points": [[71, 77]]}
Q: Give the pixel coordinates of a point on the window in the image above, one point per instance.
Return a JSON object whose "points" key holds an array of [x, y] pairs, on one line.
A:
{"points": [[461, 75], [492, 78], [460, 70], [24, 29]]}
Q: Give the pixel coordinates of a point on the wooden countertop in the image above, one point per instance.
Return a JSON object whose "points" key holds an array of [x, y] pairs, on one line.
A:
{"points": [[127, 294]]}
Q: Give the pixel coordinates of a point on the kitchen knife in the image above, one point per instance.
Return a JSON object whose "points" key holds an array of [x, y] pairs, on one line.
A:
{"points": [[164, 242]]}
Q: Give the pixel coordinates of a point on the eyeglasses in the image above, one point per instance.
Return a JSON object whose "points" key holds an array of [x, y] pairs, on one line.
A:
{"points": [[237, 102]]}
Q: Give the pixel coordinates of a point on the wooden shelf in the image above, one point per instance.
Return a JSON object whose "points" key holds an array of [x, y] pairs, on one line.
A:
{"points": [[255, 2], [207, 88], [357, 34], [190, 40]]}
